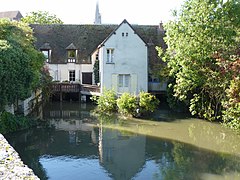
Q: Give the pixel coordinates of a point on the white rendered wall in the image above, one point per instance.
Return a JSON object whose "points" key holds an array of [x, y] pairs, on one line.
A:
{"points": [[60, 72], [130, 57]]}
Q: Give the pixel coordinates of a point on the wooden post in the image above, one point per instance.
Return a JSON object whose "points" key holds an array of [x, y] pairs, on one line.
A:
{"points": [[61, 95]]}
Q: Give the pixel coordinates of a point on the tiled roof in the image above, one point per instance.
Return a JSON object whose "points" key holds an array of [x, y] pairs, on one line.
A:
{"points": [[86, 38], [71, 47], [13, 15]]}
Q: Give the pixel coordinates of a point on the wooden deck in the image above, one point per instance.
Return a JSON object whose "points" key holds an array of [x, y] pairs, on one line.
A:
{"points": [[84, 89]]}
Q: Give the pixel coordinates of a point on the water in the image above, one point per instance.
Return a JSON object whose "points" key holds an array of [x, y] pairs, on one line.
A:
{"points": [[76, 145]]}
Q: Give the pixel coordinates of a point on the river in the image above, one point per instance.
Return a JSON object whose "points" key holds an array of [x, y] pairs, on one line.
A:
{"points": [[74, 143]]}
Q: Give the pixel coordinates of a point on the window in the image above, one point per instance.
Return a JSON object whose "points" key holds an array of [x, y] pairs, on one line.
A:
{"points": [[122, 34], [71, 56], [110, 55], [123, 80], [126, 34], [72, 75], [97, 56], [46, 54]]}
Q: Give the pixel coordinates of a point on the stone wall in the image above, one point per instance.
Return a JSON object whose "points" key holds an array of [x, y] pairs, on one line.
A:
{"points": [[11, 166]]}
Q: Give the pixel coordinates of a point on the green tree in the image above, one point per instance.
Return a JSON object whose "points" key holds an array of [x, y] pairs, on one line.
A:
{"points": [[41, 17], [20, 62], [202, 44], [96, 71]]}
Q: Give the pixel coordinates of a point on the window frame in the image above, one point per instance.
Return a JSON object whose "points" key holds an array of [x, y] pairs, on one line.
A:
{"points": [[72, 75], [46, 55], [124, 80], [71, 59], [110, 55]]}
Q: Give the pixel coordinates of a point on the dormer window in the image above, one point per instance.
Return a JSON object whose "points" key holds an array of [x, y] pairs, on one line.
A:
{"points": [[71, 53], [46, 54], [46, 50], [71, 56]]}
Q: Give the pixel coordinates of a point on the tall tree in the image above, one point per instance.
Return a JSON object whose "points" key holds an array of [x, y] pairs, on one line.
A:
{"points": [[203, 43], [20, 62], [41, 17]]}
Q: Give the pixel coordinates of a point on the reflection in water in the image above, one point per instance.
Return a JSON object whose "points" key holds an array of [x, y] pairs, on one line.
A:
{"points": [[76, 145]]}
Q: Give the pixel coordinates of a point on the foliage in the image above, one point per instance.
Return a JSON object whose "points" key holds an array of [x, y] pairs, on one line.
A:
{"points": [[10, 122], [127, 104], [41, 17], [231, 114], [173, 102], [107, 101], [202, 54], [20, 62], [46, 83], [147, 102], [96, 71]]}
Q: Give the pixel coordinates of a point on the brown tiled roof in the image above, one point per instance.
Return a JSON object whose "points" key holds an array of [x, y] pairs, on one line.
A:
{"points": [[86, 38], [13, 15]]}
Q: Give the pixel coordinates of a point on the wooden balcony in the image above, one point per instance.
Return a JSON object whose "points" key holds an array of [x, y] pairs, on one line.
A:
{"points": [[84, 89], [66, 87]]}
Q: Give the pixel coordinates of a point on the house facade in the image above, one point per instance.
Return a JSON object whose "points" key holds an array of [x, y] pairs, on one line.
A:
{"points": [[123, 58], [126, 54]]}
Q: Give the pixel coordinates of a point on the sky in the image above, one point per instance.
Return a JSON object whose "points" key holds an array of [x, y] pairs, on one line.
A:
{"points": [[142, 12]]}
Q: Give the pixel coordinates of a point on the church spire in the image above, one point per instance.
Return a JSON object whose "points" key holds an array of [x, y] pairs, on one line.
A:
{"points": [[97, 15]]}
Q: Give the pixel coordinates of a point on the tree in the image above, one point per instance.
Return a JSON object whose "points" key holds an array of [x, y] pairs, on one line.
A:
{"points": [[20, 62], [203, 42], [41, 17], [96, 71]]}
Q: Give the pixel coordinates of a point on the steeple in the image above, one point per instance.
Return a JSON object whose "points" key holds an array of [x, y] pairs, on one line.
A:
{"points": [[97, 15]]}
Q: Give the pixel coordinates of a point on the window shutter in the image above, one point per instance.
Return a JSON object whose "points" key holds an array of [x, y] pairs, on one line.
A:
{"points": [[134, 83], [114, 82]]}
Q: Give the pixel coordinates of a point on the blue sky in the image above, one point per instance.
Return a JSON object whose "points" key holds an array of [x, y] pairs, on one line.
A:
{"points": [[113, 11]]}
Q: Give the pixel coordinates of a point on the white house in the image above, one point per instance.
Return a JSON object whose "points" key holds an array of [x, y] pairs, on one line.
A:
{"points": [[126, 53], [123, 58]]}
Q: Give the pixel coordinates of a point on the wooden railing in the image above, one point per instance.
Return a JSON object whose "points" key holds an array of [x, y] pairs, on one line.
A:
{"points": [[90, 88], [72, 87], [66, 87]]}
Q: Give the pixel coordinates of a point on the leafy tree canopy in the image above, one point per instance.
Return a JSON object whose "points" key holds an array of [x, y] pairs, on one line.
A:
{"points": [[41, 17], [20, 62], [203, 54]]}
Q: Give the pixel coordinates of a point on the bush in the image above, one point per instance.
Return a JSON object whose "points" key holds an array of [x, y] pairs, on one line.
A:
{"points": [[127, 104], [231, 117], [10, 122], [107, 101], [147, 102]]}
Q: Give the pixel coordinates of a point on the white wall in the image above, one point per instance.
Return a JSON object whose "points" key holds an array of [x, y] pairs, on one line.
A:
{"points": [[130, 57], [60, 72]]}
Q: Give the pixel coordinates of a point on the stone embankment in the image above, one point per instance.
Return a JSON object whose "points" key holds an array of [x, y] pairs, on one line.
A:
{"points": [[11, 166]]}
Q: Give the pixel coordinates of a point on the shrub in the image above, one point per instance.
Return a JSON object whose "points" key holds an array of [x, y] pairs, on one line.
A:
{"points": [[147, 102], [107, 101], [10, 122], [127, 104], [231, 112]]}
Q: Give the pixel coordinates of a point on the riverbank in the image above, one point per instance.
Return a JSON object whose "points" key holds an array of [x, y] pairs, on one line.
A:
{"points": [[11, 166]]}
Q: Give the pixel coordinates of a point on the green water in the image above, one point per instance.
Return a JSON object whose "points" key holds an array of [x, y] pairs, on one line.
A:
{"points": [[75, 144]]}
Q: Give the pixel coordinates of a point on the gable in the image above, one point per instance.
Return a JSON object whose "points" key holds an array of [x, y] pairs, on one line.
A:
{"points": [[123, 29]]}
